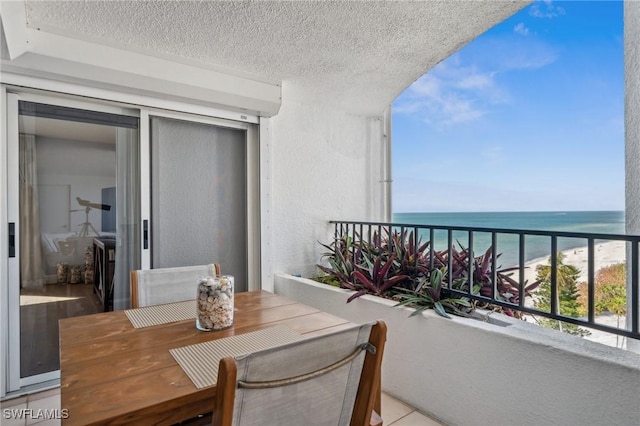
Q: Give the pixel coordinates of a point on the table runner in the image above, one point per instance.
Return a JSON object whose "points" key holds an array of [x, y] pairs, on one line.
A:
{"points": [[200, 361], [162, 314]]}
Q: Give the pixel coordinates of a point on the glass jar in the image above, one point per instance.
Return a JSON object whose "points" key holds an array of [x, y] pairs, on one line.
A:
{"points": [[214, 303], [62, 272], [75, 274]]}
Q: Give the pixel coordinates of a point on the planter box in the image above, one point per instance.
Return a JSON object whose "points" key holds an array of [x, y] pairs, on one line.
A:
{"points": [[492, 371]]}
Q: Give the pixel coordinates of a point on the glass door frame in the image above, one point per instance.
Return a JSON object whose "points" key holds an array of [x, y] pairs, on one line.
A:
{"points": [[253, 184], [76, 96], [11, 287]]}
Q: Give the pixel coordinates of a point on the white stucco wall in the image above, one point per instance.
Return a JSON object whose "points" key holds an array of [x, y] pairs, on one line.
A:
{"points": [[325, 165], [632, 125], [468, 372]]}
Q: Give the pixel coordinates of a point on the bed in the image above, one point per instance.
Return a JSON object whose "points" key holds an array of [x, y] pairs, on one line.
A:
{"points": [[68, 248]]}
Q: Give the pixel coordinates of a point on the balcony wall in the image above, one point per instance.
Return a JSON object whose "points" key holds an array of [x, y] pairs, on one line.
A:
{"points": [[500, 372], [324, 163], [632, 121]]}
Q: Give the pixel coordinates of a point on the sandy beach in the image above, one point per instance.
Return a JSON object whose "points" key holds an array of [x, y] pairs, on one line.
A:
{"points": [[606, 254]]}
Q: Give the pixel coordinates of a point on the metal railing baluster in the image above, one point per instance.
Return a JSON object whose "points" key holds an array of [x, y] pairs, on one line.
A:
{"points": [[635, 289], [470, 265], [591, 281], [346, 229], [494, 270], [450, 258], [521, 263], [554, 276]]}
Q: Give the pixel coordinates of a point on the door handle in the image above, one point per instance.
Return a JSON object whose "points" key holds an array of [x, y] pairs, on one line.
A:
{"points": [[12, 239], [145, 234]]}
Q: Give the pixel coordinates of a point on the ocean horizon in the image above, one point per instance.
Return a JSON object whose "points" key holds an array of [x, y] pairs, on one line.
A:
{"points": [[536, 247]]}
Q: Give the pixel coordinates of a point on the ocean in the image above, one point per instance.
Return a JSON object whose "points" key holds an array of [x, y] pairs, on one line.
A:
{"points": [[602, 222]]}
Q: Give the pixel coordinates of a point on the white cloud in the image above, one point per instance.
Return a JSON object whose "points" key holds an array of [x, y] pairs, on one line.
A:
{"points": [[522, 59], [546, 9], [521, 29], [460, 110], [429, 85], [476, 80], [468, 85], [446, 95], [452, 93]]}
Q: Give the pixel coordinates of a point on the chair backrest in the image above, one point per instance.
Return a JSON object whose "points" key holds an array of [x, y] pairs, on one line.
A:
{"points": [[166, 285], [332, 379]]}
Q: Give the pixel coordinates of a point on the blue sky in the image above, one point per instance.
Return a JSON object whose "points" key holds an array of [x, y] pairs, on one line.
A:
{"points": [[529, 116]]}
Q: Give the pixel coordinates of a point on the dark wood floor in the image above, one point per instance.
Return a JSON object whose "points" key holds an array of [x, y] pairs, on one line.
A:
{"points": [[40, 311]]}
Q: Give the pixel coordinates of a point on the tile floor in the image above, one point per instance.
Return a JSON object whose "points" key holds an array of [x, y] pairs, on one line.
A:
{"points": [[41, 404], [397, 413], [36, 408]]}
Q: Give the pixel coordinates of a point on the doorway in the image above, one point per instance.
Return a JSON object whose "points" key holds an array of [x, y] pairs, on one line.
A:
{"points": [[71, 186], [199, 196], [85, 170]]}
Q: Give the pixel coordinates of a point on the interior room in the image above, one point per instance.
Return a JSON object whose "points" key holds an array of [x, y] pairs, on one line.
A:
{"points": [[70, 194]]}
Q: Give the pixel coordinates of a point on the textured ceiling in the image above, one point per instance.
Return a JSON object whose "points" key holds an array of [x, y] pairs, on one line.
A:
{"points": [[358, 55]]}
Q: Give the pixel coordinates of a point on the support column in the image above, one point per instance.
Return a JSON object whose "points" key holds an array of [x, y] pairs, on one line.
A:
{"points": [[632, 137]]}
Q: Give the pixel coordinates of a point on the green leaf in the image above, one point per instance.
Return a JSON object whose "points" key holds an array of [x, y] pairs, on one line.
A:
{"points": [[440, 310], [436, 277], [418, 311], [405, 302]]}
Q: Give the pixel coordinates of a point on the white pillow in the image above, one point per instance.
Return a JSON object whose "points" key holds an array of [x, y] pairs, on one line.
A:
{"points": [[50, 241]]}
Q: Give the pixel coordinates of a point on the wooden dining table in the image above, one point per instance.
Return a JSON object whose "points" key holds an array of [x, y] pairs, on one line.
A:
{"points": [[114, 373]]}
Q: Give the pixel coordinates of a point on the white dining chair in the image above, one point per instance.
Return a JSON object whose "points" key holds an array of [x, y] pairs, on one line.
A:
{"points": [[333, 379], [165, 285]]}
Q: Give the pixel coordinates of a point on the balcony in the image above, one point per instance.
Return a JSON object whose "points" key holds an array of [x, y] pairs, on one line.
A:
{"points": [[495, 368], [506, 279], [522, 374]]}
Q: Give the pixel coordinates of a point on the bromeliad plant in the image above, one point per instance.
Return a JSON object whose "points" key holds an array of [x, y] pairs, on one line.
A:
{"points": [[398, 266], [431, 295], [393, 257], [366, 268], [506, 288], [340, 259], [375, 278]]}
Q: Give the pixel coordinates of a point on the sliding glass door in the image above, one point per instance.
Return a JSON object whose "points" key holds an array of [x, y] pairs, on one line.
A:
{"points": [[199, 196], [95, 191], [76, 184]]}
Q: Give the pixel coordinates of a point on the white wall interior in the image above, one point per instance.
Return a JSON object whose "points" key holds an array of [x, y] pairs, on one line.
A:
{"points": [[70, 169], [87, 167], [502, 372]]}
